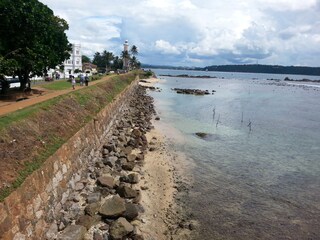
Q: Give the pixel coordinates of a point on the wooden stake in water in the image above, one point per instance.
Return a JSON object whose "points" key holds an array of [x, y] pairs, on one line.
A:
{"points": [[249, 125], [218, 121], [214, 113], [242, 117]]}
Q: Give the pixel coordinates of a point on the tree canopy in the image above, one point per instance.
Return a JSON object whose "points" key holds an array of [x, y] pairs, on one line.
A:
{"points": [[85, 59], [32, 39], [134, 50], [103, 60]]}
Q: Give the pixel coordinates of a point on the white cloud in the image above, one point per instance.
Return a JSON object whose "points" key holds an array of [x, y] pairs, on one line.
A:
{"points": [[166, 48], [198, 32]]}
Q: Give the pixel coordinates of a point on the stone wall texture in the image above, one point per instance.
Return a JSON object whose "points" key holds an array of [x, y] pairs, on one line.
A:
{"points": [[31, 209]]}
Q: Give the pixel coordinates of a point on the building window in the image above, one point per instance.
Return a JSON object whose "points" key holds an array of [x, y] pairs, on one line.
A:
{"points": [[77, 52], [77, 62]]}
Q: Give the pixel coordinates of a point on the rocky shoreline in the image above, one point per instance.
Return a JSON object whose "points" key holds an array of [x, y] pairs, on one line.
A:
{"points": [[193, 91], [129, 190]]}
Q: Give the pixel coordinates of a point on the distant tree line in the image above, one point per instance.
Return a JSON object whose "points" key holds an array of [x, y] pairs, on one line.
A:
{"points": [[273, 69], [250, 68]]}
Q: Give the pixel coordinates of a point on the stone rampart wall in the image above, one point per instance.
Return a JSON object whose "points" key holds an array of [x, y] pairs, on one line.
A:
{"points": [[29, 211]]}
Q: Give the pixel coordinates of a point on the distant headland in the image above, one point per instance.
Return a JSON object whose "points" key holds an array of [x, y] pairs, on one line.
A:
{"points": [[248, 68]]}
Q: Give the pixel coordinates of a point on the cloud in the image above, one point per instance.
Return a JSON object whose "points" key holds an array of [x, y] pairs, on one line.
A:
{"points": [[194, 32], [166, 48]]}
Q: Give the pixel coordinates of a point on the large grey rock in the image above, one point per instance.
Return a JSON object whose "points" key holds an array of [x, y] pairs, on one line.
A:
{"points": [[120, 228], [131, 212], [86, 221], [73, 232], [136, 132], [127, 192], [127, 150], [92, 209], [110, 147], [94, 197], [52, 232], [131, 157], [106, 181], [110, 161], [128, 166], [133, 178], [97, 236], [113, 207], [79, 186]]}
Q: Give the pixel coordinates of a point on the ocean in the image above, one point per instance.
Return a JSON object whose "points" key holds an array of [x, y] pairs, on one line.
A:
{"points": [[257, 173]]}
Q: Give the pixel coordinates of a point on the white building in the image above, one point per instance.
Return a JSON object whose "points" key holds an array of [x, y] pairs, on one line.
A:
{"points": [[74, 62]]}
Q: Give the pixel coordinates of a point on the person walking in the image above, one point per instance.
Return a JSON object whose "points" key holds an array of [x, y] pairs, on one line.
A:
{"points": [[86, 80], [73, 82], [81, 79]]}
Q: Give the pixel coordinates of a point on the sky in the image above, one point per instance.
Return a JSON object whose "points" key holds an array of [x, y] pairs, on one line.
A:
{"points": [[197, 32]]}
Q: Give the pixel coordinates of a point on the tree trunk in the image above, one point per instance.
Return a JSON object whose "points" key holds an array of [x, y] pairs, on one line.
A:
{"points": [[24, 80]]}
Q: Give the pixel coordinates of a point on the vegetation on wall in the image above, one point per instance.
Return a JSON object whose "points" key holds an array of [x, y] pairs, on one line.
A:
{"points": [[29, 136]]}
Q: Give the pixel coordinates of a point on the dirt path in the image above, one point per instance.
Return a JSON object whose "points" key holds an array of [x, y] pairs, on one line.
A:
{"points": [[44, 95]]}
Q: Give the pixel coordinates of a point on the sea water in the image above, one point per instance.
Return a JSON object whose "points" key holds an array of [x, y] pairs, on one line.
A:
{"points": [[257, 173]]}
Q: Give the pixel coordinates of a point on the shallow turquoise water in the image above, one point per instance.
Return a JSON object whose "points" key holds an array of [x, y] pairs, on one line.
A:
{"points": [[258, 184]]}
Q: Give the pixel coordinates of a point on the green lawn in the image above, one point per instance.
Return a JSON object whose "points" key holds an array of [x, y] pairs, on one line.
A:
{"points": [[58, 85]]}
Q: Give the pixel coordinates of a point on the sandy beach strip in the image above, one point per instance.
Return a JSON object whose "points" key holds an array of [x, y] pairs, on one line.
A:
{"points": [[162, 215]]}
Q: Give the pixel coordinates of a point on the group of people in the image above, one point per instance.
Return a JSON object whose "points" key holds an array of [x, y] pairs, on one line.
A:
{"points": [[84, 80]]}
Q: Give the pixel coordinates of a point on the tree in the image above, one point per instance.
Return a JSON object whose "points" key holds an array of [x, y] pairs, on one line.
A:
{"points": [[85, 59], [117, 63], [134, 50], [31, 38], [134, 62], [108, 58], [103, 61]]}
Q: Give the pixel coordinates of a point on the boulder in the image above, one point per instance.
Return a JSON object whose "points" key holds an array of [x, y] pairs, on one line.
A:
{"points": [[131, 157], [201, 134], [128, 166], [79, 186], [113, 207], [97, 236], [94, 197], [106, 181], [110, 161], [110, 147], [136, 133], [86, 221], [133, 178], [92, 209], [52, 232], [120, 228], [127, 150], [73, 232], [127, 192], [131, 212]]}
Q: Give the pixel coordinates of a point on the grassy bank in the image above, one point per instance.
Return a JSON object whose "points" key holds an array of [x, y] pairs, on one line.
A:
{"points": [[29, 136], [65, 84]]}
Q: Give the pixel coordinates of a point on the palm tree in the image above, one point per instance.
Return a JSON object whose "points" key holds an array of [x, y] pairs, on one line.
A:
{"points": [[134, 50], [108, 58]]}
